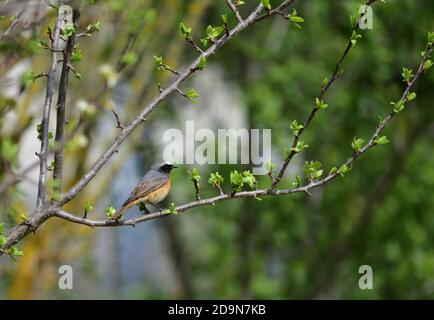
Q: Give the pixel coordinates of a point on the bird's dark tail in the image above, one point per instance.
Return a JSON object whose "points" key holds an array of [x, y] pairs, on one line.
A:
{"points": [[118, 214]]}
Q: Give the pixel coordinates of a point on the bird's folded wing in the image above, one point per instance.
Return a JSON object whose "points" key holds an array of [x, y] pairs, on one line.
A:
{"points": [[144, 188]]}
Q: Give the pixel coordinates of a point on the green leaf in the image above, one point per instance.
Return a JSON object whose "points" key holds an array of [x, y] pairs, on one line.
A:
{"points": [[171, 209], [296, 127], [109, 211], [213, 32], [312, 170], [381, 140], [295, 19], [428, 64], [14, 251], [357, 144], [186, 31], [430, 38], [2, 228], [2, 240], [333, 170], [249, 179], [204, 42], [407, 74], [354, 37], [194, 175], [215, 179], [411, 96], [202, 62], [343, 169], [297, 182], [398, 106], [67, 30], [239, 180], [88, 208], [320, 104], [266, 4], [158, 60], [191, 95], [224, 18], [300, 146], [77, 54], [93, 27]]}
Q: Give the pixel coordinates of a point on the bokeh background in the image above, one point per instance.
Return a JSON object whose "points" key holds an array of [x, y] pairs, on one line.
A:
{"points": [[380, 214]]}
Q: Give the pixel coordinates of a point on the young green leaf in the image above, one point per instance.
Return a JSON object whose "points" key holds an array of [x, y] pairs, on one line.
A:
{"points": [[381, 140], [295, 127], [191, 95], [88, 208], [354, 37], [430, 38], [194, 175], [201, 64], [428, 64], [407, 74], [398, 106], [320, 104], [343, 169], [93, 27], [411, 96], [158, 60], [295, 19], [186, 31], [68, 30], [266, 4], [109, 211], [357, 144], [215, 179], [300, 146], [312, 170], [224, 18], [297, 182]]}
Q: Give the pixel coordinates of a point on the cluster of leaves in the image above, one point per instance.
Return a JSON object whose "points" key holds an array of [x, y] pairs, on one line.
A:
{"points": [[240, 180], [215, 179], [312, 170], [295, 19], [13, 251]]}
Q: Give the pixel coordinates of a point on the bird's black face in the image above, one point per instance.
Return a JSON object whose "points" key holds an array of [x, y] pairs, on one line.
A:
{"points": [[167, 167]]}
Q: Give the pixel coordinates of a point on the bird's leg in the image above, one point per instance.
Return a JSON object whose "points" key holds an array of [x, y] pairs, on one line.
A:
{"points": [[142, 208], [158, 207]]}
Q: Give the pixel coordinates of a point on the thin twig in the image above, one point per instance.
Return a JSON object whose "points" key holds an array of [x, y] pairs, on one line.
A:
{"points": [[118, 121], [234, 10]]}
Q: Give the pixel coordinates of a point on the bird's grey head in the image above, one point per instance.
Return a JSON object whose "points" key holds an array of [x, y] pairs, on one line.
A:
{"points": [[163, 167]]}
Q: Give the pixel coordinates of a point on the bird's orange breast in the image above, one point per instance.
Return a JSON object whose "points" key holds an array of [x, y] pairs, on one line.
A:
{"points": [[159, 194]]}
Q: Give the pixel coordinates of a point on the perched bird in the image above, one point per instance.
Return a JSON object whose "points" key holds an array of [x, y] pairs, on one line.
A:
{"points": [[152, 189]]}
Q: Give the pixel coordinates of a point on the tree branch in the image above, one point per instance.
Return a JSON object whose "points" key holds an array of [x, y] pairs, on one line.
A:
{"points": [[47, 210], [324, 89], [61, 109], [235, 10], [255, 193], [43, 154], [253, 18]]}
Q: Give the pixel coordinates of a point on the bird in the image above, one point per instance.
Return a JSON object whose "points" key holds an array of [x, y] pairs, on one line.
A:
{"points": [[152, 189]]}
